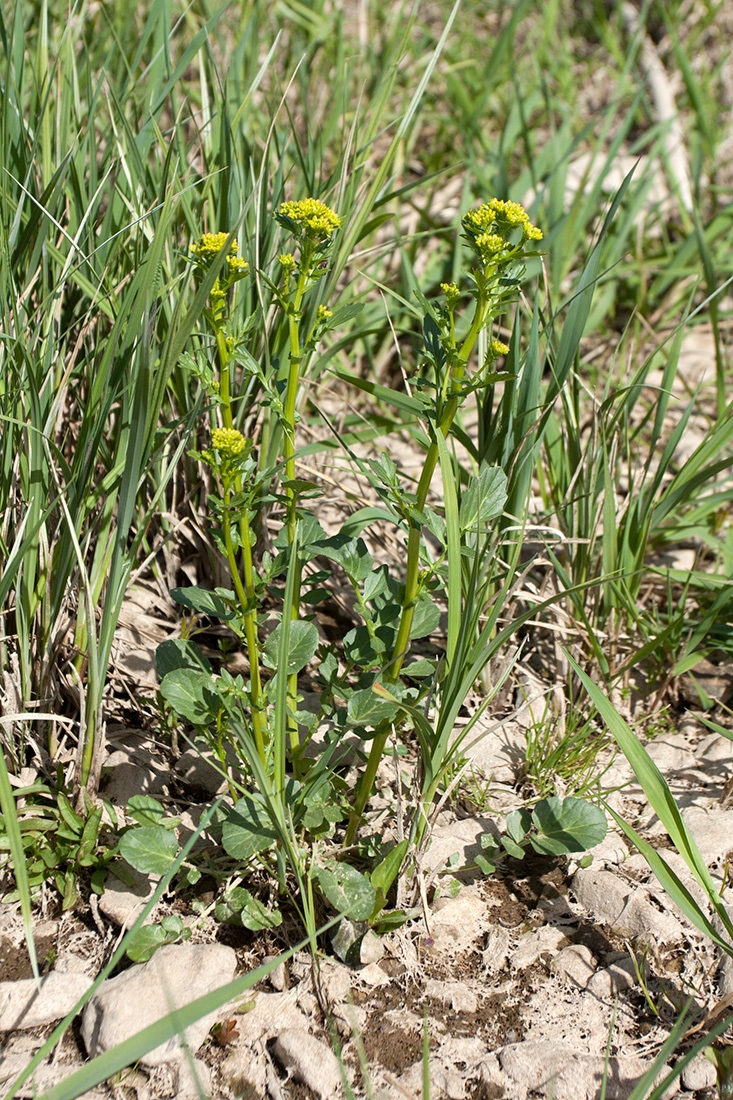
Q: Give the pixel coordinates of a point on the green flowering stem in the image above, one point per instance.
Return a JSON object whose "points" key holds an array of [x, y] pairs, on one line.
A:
{"points": [[412, 577], [498, 233]]}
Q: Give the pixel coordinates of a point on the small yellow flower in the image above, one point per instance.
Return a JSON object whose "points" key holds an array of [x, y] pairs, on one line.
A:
{"points": [[228, 442], [452, 293], [490, 229], [324, 313], [206, 248], [496, 348], [317, 220], [287, 261]]}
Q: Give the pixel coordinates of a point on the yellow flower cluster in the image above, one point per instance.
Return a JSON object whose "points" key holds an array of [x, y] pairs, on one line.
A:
{"points": [[207, 247], [452, 293], [324, 313], [287, 261], [489, 228], [318, 220], [497, 348], [228, 442]]}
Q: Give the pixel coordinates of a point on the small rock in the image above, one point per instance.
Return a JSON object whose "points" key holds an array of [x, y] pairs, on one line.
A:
{"points": [[24, 1005], [310, 1061], [699, 1074], [263, 1015], [575, 964], [371, 949], [334, 980], [373, 975], [713, 832], [460, 921], [123, 904], [546, 941], [175, 976], [200, 769], [644, 921], [601, 892], [496, 951], [454, 995], [194, 1079], [612, 980]]}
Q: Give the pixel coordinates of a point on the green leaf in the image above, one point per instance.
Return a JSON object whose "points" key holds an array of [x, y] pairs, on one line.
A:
{"points": [[145, 942], [483, 499], [248, 829], [350, 553], [145, 809], [387, 870], [518, 824], [203, 601], [426, 619], [350, 892], [239, 907], [149, 849], [368, 710], [192, 695], [302, 644], [567, 825], [179, 653]]}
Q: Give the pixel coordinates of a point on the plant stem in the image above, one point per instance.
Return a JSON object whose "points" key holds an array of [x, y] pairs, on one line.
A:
{"points": [[412, 576], [291, 519], [245, 592]]}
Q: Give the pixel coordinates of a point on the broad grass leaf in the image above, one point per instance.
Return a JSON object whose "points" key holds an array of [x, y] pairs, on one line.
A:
{"points": [[191, 694], [150, 849], [350, 892], [248, 830], [302, 644], [567, 825]]}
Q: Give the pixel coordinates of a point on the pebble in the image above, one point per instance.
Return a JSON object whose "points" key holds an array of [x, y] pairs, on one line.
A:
{"points": [[459, 922], [699, 1074], [546, 941], [123, 904], [310, 1061], [455, 995], [575, 964], [23, 1005], [176, 975], [612, 980]]}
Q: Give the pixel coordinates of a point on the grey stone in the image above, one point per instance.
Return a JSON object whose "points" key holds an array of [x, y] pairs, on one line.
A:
{"points": [[699, 1074], [575, 964], [460, 921], [532, 946], [553, 1069], [194, 1080], [122, 903], [612, 980], [713, 832], [644, 921], [310, 1061], [457, 838], [455, 995], [25, 1005], [199, 768], [601, 892], [175, 976]]}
